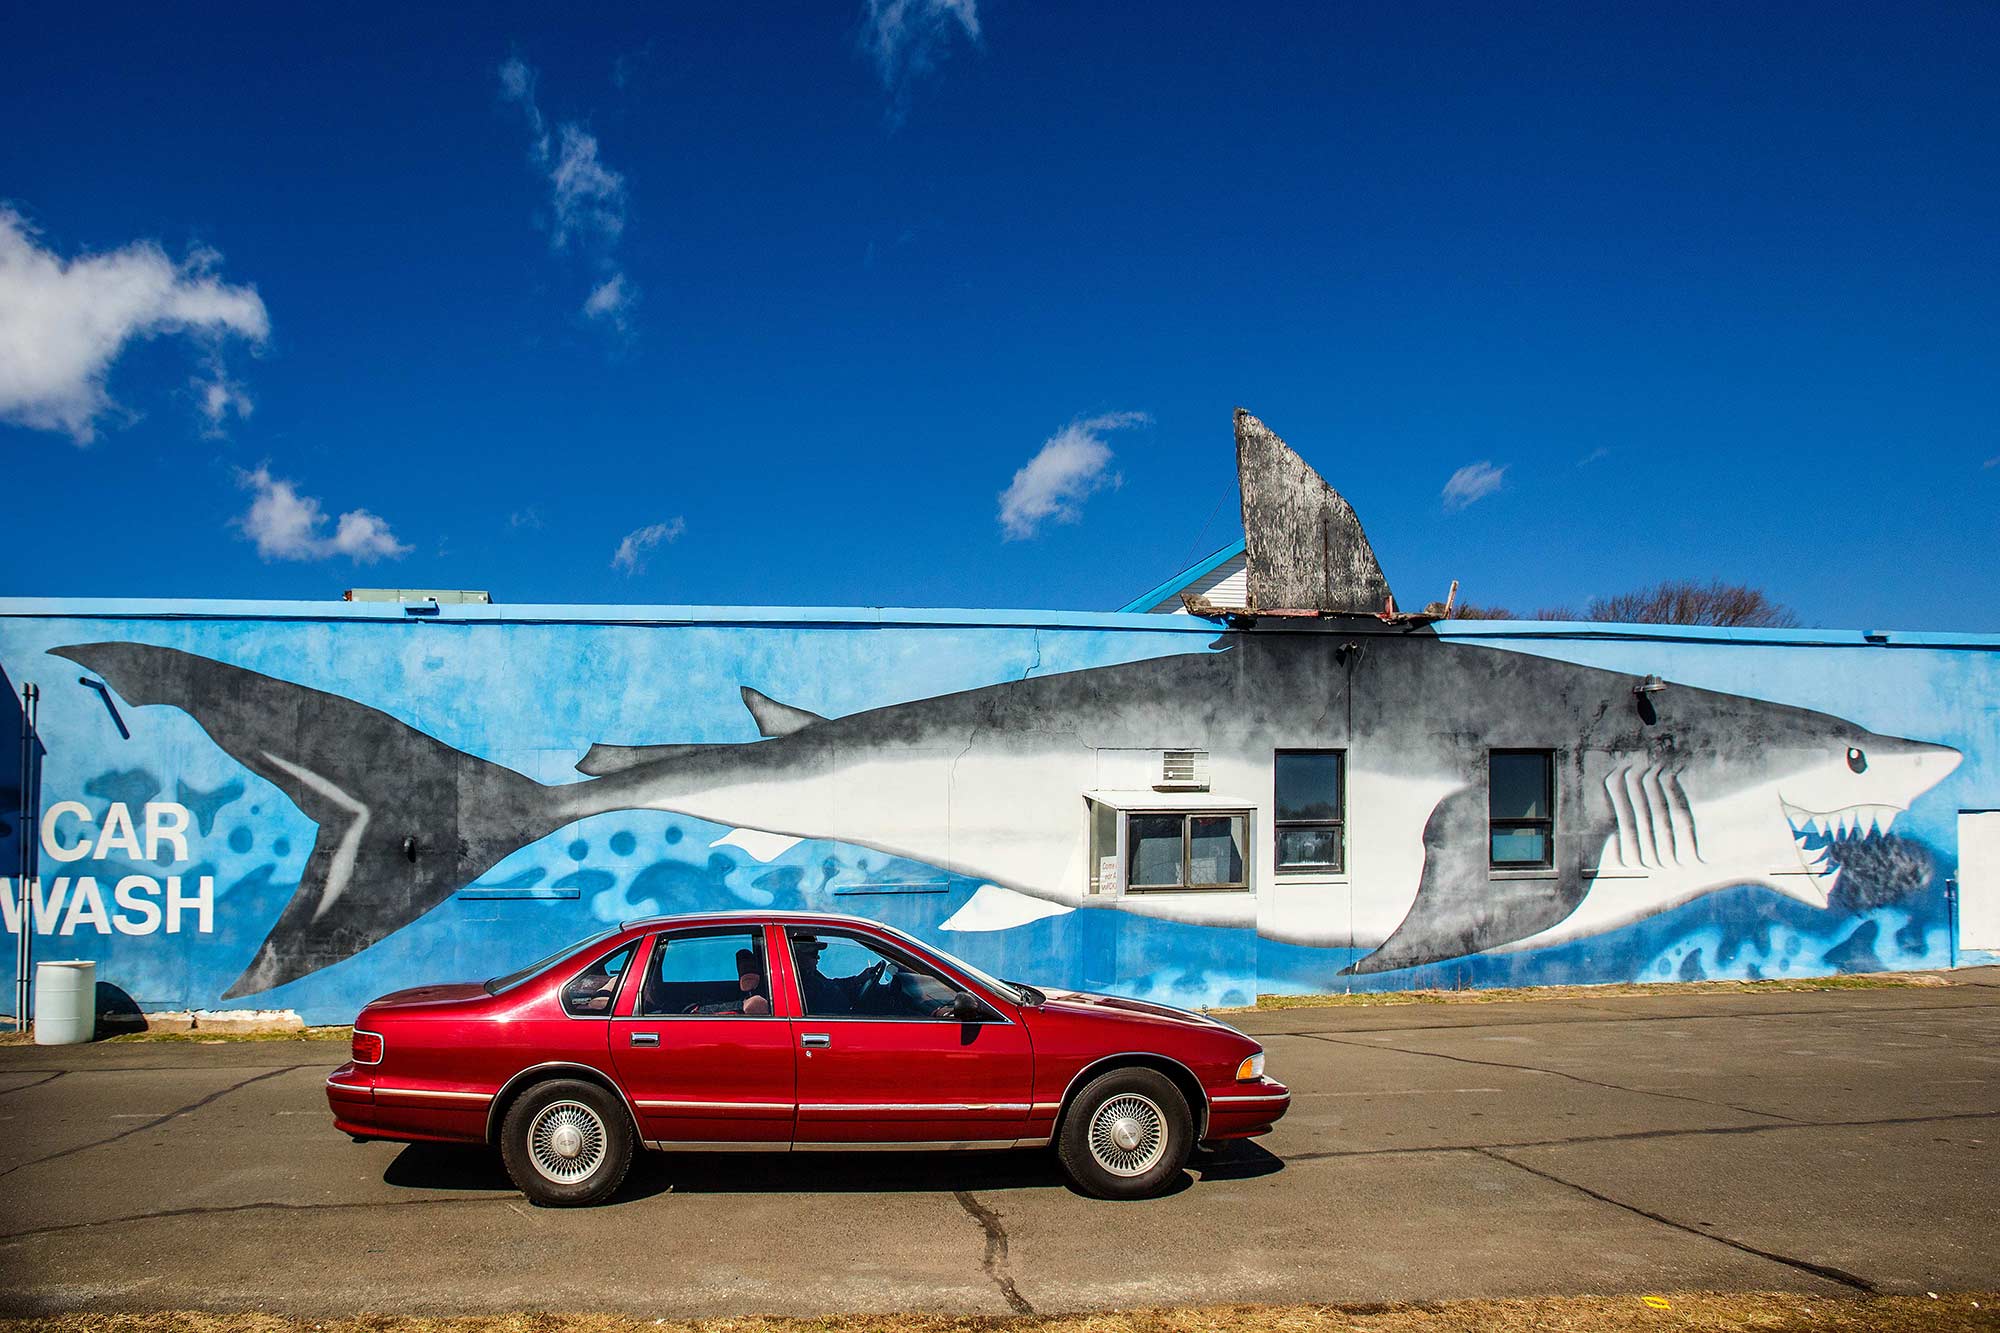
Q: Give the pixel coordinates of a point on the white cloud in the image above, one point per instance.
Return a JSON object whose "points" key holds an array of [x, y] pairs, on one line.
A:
{"points": [[611, 301], [64, 322], [1471, 484], [1064, 472], [631, 553], [586, 197], [907, 38], [289, 526]]}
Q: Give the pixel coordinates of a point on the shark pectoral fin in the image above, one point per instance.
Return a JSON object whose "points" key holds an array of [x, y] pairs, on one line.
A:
{"points": [[603, 759], [992, 907], [1461, 908], [774, 718]]}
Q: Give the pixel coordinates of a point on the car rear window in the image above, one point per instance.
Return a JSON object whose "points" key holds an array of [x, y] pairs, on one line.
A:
{"points": [[512, 979]]}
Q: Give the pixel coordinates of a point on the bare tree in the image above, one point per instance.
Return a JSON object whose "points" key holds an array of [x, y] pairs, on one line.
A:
{"points": [[1674, 602], [1685, 602]]}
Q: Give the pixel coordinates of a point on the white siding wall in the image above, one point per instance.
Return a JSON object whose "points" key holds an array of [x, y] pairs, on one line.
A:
{"points": [[1225, 585]]}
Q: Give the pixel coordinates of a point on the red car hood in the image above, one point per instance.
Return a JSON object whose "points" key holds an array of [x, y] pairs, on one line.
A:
{"points": [[416, 996], [1082, 1002]]}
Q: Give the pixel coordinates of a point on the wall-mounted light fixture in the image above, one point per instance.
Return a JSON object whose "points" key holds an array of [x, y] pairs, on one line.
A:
{"points": [[1650, 685]]}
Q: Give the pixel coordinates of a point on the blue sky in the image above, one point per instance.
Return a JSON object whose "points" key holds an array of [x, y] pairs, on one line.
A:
{"points": [[733, 304]]}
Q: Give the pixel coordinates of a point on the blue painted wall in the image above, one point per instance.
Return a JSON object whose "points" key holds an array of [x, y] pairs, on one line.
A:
{"points": [[533, 688]]}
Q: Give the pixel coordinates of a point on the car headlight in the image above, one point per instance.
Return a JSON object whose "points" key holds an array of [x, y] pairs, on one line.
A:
{"points": [[1251, 1069]]}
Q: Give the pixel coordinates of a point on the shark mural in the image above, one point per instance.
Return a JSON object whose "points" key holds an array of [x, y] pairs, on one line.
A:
{"points": [[1664, 792]]}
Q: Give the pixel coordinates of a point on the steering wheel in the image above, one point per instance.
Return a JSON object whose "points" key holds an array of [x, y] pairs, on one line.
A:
{"points": [[879, 975]]}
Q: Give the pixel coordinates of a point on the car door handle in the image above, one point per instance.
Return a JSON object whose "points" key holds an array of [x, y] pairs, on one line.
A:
{"points": [[815, 1040], [645, 1039]]}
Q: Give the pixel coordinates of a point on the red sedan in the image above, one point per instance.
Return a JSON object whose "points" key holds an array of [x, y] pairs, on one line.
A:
{"points": [[787, 1031]]}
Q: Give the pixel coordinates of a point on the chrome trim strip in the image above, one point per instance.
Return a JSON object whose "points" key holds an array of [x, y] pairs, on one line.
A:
{"points": [[668, 1105], [421, 1093], [717, 1145], [332, 1082], [917, 1145], [1266, 1097], [1040, 1108], [913, 1106]]}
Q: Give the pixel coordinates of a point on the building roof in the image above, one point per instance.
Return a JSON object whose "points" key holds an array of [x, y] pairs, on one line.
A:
{"points": [[1183, 581]]}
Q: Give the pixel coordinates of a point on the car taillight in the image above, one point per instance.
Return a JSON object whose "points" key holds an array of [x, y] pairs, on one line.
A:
{"points": [[367, 1048]]}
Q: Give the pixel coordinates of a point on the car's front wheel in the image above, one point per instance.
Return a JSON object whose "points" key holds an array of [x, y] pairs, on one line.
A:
{"points": [[567, 1143], [1127, 1135]]}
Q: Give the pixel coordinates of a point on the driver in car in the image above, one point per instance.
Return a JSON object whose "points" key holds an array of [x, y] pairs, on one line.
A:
{"points": [[872, 990]]}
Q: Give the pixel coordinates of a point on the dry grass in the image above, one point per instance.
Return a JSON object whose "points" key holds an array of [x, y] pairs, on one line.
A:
{"points": [[1677, 1312], [1773, 986]]}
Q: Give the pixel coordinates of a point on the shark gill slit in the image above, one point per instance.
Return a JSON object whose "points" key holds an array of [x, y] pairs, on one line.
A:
{"points": [[1677, 796], [1642, 818], [1666, 850], [1621, 808]]}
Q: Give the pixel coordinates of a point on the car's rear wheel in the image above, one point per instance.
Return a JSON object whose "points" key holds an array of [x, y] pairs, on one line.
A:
{"points": [[1127, 1135], [567, 1143]]}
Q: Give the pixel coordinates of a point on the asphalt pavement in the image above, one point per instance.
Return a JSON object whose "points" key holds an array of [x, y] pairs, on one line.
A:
{"points": [[1825, 1142]]}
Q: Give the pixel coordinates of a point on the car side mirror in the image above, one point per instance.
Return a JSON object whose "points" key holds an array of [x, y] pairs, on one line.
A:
{"points": [[966, 1008]]}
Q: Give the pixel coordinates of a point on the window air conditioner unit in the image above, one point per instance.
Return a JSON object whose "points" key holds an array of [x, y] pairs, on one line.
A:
{"points": [[1183, 770]]}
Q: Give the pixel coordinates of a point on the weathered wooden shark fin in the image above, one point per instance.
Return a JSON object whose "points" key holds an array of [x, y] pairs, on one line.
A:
{"points": [[774, 718], [1305, 547]]}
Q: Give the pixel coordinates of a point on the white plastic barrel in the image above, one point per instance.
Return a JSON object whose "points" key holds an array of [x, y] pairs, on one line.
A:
{"points": [[65, 1002]]}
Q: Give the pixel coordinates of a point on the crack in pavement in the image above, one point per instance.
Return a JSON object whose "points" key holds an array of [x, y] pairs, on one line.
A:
{"points": [[1556, 1073], [1825, 1271], [1638, 1136], [157, 1121], [170, 1214], [36, 1084], [995, 1260], [1662, 1018]]}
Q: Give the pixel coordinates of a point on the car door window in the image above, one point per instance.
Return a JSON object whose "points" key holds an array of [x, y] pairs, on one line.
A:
{"points": [[713, 974], [590, 992], [844, 976]]}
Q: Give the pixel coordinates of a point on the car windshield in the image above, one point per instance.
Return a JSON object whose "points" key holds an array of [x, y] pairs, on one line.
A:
{"points": [[534, 969], [1013, 990]]}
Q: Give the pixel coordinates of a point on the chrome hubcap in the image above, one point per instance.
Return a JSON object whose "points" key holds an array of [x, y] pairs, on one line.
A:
{"points": [[1128, 1135], [566, 1142]]}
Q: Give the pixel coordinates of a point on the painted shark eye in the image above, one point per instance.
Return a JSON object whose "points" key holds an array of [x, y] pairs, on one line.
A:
{"points": [[1856, 760]]}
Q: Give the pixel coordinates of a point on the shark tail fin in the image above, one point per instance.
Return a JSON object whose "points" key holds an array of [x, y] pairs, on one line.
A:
{"points": [[405, 820]]}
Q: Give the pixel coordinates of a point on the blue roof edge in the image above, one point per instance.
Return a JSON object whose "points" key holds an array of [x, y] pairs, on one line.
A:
{"points": [[1182, 579], [58, 608]]}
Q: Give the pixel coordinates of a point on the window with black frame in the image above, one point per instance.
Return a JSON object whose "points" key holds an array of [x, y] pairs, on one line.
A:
{"points": [[589, 994], [1195, 850], [1311, 825], [1520, 808]]}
